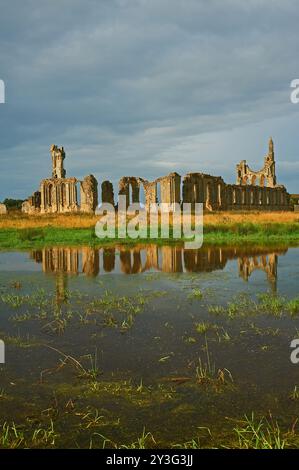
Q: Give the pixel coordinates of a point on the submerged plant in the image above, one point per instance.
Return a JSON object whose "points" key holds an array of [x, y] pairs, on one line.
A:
{"points": [[206, 371], [203, 327], [293, 306], [196, 294]]}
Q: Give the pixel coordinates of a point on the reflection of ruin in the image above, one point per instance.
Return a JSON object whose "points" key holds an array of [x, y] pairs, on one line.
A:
{"points": [[109, 260], [255, 190], [266, 263], [90, 262], [60, 261], [61, 288], [142, 258]]}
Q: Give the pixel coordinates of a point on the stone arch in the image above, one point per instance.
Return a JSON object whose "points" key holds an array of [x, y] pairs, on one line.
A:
{"points": [[263, 181]]}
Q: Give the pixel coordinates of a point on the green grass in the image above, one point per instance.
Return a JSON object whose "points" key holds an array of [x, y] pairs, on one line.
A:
{"points": [[267, 303], [237, 233], [260, 434], [13, 436]]}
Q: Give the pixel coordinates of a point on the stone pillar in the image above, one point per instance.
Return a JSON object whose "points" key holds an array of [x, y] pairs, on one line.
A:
{"points": [[150, 189], [89, 194], [124, 189], [107, 192]]}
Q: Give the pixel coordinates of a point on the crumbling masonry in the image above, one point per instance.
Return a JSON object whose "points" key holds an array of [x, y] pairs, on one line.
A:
{"points": [[60, 194], [254, 190]]}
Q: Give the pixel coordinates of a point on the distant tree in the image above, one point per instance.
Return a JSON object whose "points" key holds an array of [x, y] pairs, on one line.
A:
{"points": [[294, 199], [13, 203]]}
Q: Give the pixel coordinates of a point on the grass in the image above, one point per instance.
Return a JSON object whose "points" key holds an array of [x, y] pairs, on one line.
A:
{"points": [[267, 303], [20, 231], [250, 433], [260, 434], [13, 436], [145, 441], [295, 393], [204, 327], [90, 372], [107, 310], [206, 372], [196, 294]]}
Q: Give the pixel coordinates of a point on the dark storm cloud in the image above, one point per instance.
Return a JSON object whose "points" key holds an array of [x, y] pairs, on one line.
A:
{"points": [[146, 86]]}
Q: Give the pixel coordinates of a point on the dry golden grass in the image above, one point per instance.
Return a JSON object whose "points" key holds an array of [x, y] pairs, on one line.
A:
{"points": [[251, 217], [17, 220]]}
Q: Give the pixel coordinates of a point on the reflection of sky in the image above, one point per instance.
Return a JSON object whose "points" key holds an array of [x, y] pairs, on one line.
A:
{"points": [[17, 262], [131, 87]]}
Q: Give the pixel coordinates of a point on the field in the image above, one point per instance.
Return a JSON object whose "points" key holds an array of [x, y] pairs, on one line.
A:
{"points": [[18, 230]]}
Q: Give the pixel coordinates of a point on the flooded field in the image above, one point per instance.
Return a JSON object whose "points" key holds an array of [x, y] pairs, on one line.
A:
{"points": [[149, 346]]}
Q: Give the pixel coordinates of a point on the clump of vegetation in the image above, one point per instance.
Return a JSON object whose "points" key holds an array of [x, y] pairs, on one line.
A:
{"points": [[145, 441], [260, 434], [203, 327], [196, 294], [295, 394], [13, 204], [194, 443], [207, 373], [14, 436], [271, 304]]}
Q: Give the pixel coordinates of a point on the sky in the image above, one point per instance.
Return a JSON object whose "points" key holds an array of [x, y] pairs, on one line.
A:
{"points": [[147, 87]]}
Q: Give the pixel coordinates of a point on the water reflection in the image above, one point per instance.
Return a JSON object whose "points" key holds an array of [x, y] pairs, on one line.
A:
{"points": [[267, 263], [169, 259]]}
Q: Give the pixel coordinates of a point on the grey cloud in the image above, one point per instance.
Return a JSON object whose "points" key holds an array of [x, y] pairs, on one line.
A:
{"points": [[144, 85]]}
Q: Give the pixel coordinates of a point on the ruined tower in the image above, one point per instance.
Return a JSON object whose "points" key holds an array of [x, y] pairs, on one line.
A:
{"points": [[58, 156], [264, 177]]}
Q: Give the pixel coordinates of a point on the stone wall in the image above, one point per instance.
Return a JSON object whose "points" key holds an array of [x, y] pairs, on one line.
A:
{"points": [[33, 203], [58, 195], [206, 189], [89, 194], [211, 191]]}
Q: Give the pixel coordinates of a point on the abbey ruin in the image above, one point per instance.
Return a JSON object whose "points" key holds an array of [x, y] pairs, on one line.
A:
{"points": [[60, 194], [254, 190]]}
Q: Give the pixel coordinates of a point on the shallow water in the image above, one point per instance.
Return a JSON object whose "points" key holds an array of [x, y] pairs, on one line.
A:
{"points": [[104, 344]]}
